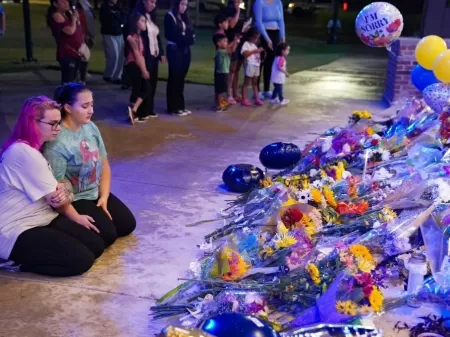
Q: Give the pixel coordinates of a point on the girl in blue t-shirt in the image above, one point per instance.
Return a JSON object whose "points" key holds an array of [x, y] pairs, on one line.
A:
{"points": [[79, 155]]}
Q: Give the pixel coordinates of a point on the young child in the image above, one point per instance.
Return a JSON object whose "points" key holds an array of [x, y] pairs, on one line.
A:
{"points": [[279, 74], [252, 62], [222, 24], [221, 70], [135, 66]]}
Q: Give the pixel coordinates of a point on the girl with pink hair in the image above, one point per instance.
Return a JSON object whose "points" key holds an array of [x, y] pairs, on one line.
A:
{"points": [[32, 233]]}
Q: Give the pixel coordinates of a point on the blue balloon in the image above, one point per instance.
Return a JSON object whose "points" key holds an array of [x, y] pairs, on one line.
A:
{"points": [[241, 178], [237, 325], [422, 78], [278, 156]]}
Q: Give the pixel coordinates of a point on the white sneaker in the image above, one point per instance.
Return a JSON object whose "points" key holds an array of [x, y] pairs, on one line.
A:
{"points": [[261, 96], [275, 101], [187, 112], [285, 102]]}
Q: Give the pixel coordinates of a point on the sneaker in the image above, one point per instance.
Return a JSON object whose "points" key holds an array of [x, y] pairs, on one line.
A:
{"points": [[258, 102], [231, 100], [132, 118], [179, 113], [246, 102], [275, 101], [267, 95], [285, 102], [260, 96], [186, 111], [220, 109], [152, 115], [141, 119]]}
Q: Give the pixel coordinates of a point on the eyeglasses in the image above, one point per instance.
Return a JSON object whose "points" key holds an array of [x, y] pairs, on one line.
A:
{"points": [[54, 125]]}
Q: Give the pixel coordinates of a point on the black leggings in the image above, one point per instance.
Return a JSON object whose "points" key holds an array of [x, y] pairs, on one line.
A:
{"points": [[268, 57], [140, 87], [63, 248], [179, 60], [122, 223], [69, 68]]}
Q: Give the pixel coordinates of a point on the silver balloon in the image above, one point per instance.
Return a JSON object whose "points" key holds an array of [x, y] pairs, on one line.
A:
{"points": [[437, 96]]}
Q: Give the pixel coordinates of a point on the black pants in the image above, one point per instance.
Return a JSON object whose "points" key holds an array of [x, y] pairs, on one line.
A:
{"points": [[268, 57], [278, 91], [70, 67], [63, 248], [148, 106], [140, 87], [179, 61], [122, 223]]}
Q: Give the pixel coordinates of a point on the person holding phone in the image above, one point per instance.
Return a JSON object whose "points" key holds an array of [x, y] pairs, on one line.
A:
{"points": [[68, 26], [269, 20]]}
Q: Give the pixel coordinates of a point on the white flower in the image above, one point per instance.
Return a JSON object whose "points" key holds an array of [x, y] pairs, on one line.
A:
{"points": [[207, 247], [385, 155], [313, 172], [304, 196], [317, 184], [346, 148], [443, 190], [376, 224], [246, 230], [376, 137], [195, 268], [253, 298], [382, 174], [346, 174]]}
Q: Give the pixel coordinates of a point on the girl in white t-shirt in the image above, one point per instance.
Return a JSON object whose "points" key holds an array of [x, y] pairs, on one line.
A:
{"points": [[252, 64], [279, 74]]}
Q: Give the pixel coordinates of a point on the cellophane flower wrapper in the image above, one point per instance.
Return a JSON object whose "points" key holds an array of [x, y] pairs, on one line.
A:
{"points": [[181, 331], [436, 235]]}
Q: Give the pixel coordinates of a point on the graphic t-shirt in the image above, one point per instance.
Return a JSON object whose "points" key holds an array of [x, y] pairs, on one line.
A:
{"points": [[78, 157], [222, 62], [254, 59], [25, 179]]}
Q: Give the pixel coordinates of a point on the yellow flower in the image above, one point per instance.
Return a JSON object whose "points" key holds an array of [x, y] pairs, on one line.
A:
{"points": [[365, 265], [313, 273], [284, 241], [323, 174], [267, 250], [281, 228], [290, 287], [370, 132], [267, 182], [304, 181], [329, 196], [308, 225], [347, 307], [387, 214], [360, 251], [316, 196], [376, 299]]}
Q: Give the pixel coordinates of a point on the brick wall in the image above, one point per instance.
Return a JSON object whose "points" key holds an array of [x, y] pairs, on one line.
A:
{"points": [[402, 60]]}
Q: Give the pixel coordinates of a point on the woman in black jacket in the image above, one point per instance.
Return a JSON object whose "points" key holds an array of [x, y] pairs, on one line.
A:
{"points": [[180, 36], [154, 54], [112, 20]]}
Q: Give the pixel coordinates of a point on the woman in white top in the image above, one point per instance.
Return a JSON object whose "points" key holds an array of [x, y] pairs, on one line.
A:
{"points": [[32, 233], [154, 54]]}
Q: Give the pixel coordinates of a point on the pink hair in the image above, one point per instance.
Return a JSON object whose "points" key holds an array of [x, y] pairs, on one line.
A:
{"points": [[26, 129]]}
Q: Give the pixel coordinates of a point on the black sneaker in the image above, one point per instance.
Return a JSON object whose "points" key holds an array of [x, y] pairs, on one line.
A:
{"points": [[153, 115], [141, 119]]}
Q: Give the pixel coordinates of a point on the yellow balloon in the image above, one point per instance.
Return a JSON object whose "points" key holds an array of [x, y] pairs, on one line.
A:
{"points": [[441, 67], [428, 49]]}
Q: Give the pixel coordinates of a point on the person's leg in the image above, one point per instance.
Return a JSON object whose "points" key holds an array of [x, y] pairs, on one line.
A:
{"points": [[280, 92], [275, 91], [120, 58], [236, 80], [104, 224], [136, 83], [255, 89], [186, 58], [87, 237], [108, 46], [247, 81], [68, 69], [46, 251], [83, 66], [231, 76], [263, 59], [122, 218], [153, 84], [274, 36], [171, 59]]}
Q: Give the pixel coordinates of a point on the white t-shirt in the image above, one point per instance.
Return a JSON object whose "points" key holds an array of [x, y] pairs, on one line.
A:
{"points": [[254, 59], [25, 179], [277, 76]]}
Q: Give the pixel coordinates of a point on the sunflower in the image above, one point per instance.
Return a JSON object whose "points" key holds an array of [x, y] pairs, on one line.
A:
{"points": [[329, 196], [347, 307], [364, 265], [376, 299], [313, 273], [360, 251], [308, 225], [316, 196], [267, 182], [284, 241]]}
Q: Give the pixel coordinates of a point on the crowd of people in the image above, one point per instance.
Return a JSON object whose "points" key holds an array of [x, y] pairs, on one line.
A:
{"points": [[134, 49]]}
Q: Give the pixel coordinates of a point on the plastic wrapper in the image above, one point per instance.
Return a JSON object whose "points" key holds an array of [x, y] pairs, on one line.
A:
{"points": [[177, 331]]}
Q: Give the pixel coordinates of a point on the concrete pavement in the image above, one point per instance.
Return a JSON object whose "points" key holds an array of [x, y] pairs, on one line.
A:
{"points": [[168, 171]]}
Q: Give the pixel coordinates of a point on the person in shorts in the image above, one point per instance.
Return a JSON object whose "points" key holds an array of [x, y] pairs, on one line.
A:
{"points": [[252, 63]]}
